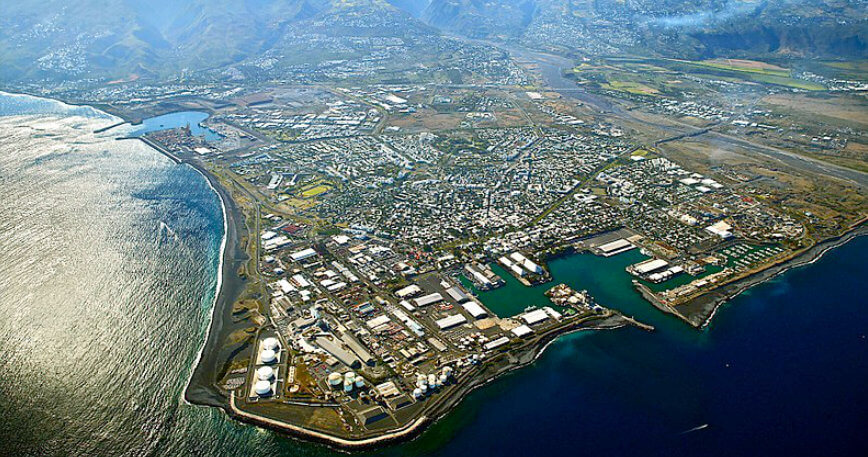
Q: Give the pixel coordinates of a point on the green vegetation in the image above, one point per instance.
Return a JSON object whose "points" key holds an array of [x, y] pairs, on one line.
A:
{"points": [[315, 190], [630, 87], [745, 70]]}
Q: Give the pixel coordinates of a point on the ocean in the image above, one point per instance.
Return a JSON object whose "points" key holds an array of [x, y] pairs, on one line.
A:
{"points": [[109, 254]]}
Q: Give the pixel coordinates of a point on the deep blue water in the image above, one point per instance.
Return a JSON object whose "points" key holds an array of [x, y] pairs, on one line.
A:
{"points": [[781, 370], [179, 119], [107, 275]]}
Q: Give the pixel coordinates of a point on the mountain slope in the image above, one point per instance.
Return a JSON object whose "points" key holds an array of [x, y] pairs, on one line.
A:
{"points": [[93, 38]]}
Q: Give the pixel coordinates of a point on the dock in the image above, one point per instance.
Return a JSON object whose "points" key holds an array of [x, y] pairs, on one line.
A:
{"points": [[646, 327], [109, 127], [156, 146]]}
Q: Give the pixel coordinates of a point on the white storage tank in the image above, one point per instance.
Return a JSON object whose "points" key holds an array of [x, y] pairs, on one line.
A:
{"points": [[262, 388], [265, 373], [335, 379], [443, 379], [360, 382], [268, 356], [270, 343], [432, 380], [348, 385], [417, 392]]}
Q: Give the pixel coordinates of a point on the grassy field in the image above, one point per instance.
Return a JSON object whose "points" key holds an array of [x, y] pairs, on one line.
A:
{"points": [[315, 190], [748, 66], [748, 70], [630, 87]]}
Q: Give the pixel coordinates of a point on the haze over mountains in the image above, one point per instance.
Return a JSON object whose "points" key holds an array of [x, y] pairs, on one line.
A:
{"points": [[65, 38]]}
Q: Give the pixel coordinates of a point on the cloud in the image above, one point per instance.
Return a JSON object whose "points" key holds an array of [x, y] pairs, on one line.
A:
{"points": [[730, 10]]}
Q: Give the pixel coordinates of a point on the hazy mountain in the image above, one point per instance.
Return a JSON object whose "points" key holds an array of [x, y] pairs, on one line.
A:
{"points": [[476, 18], [118, 38], [687, 28], [159, 37]]}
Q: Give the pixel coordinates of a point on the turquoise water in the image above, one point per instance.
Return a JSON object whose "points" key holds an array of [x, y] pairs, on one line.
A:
{"points": [[605, 278], [176, 120], [107, 276]]}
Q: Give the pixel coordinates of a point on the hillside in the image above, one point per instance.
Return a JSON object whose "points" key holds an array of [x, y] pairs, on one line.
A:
{"points": [[63, 39], [161, 38]]}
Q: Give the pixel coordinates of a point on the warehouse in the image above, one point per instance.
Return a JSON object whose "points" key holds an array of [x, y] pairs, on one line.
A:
{"points": [[300, 281], [429, 299], [649, 266], [521, 331], [451, 321], [534, 317], [378, 321], [285, 286], [615, 247], [475, 310], [457, 294], [302, 255], [408, 291], [721, 229], [531, 266], [496, 343]]}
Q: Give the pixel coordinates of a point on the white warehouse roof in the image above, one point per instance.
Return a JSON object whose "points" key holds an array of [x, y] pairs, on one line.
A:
{"points": [[474, 309], [649, 265], [535, 316], [496, 343], [429, 299], [408, 291], [522, 330], [303, 254], [451, 321], [378, 321], [615, 245]]}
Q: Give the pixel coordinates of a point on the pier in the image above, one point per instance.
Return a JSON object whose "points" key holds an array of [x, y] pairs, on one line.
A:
{"points": [[156, 146]]}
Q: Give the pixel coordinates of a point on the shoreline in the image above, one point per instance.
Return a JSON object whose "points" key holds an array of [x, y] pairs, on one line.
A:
{"points": [[442, 406], [201, 389], [218, 288], [809, 257], [710, 303], [200, 392]]}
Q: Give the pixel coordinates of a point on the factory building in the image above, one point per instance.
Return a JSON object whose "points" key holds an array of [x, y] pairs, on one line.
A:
{"points": [[332, 345]]}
